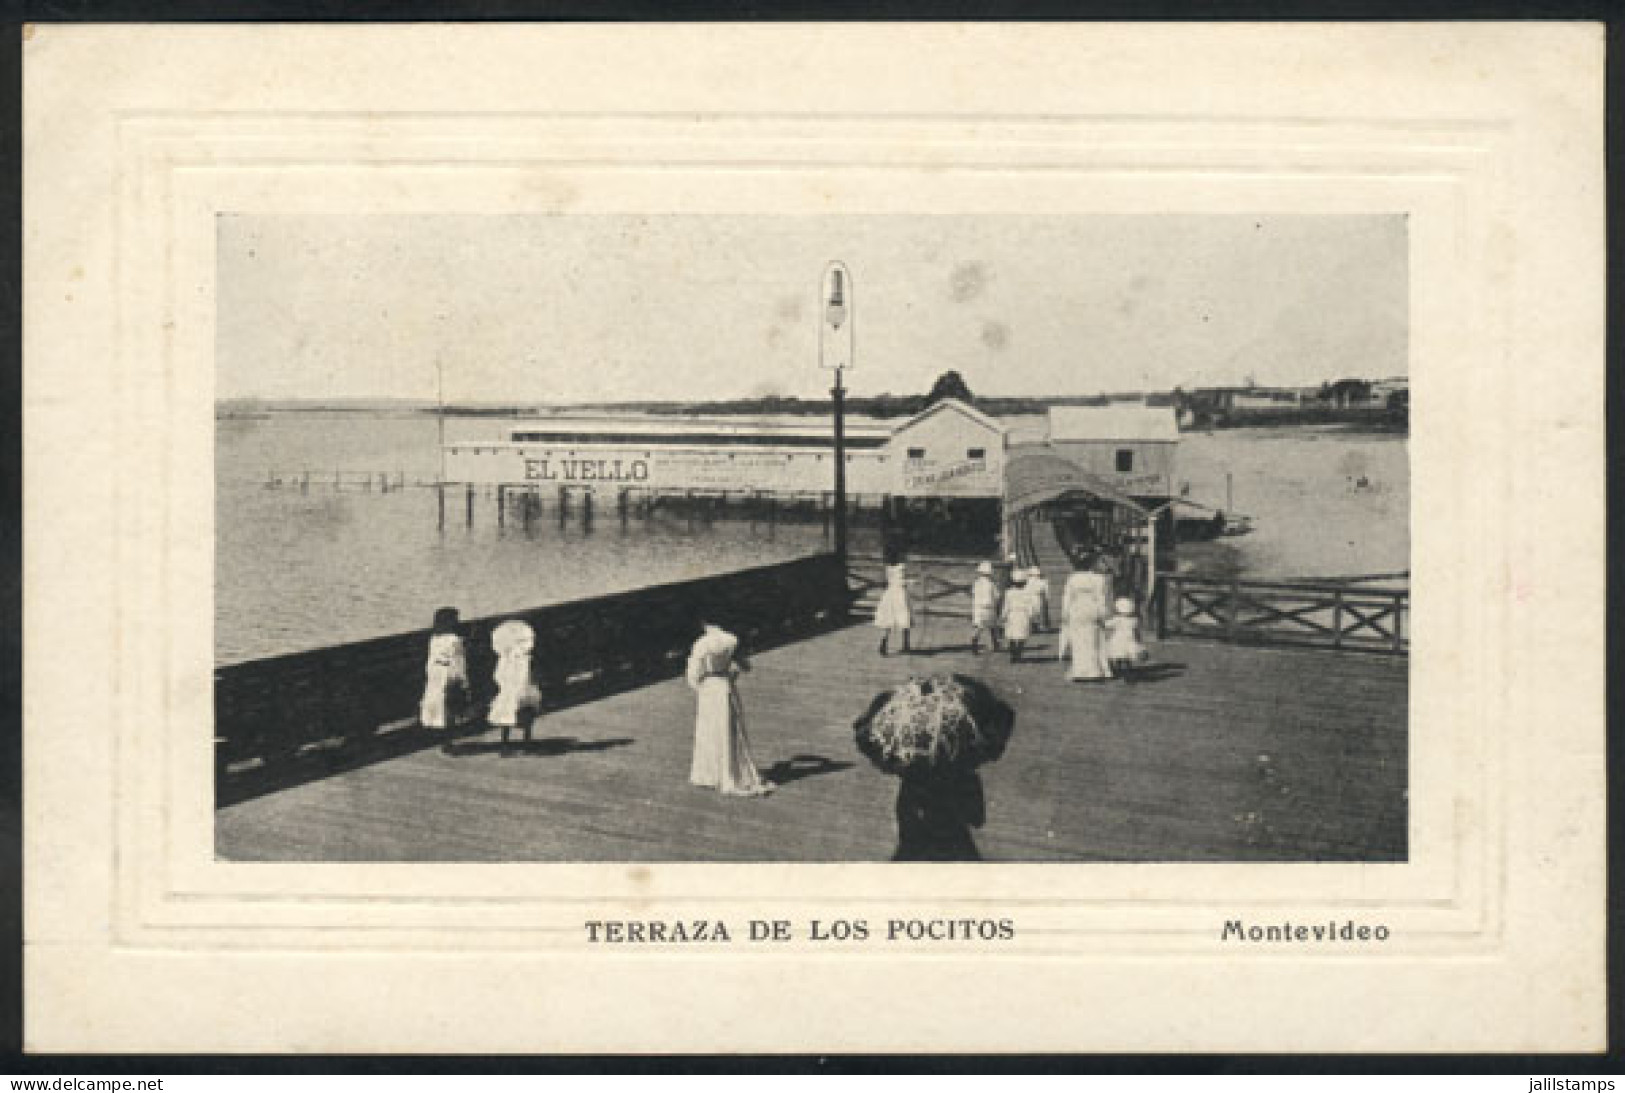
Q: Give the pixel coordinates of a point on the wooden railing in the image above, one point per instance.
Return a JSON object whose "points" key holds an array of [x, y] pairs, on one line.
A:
{"points": [[365, 480], [941, 584], [287, 719], [1332, 616]]}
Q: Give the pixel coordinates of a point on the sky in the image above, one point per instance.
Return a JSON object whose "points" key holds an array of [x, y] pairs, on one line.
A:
{"points": [[575, 308]]}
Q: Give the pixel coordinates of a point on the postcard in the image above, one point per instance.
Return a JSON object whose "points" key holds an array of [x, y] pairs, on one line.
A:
{"points": [[687, 538]]}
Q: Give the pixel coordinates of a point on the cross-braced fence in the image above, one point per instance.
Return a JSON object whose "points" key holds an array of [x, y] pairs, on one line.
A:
{"points": [[1331, 616]]}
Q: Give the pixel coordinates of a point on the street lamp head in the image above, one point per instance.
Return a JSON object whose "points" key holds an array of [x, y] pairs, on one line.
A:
{"points": [[835, 340], [835, 309]]}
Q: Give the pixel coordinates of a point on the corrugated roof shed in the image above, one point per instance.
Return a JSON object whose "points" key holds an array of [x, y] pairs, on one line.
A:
{"points": [[1113, 423]]}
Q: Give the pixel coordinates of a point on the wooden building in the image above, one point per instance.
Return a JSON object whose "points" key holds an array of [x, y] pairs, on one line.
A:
{"points": [[1128, 448], [949, 450]]}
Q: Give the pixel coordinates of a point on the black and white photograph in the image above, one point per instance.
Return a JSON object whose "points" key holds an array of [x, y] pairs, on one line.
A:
{"points": [[634, 539], [712, 538]]}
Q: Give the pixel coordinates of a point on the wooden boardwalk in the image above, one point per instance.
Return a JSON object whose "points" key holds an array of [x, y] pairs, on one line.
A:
{"points": [[1227, 754]]}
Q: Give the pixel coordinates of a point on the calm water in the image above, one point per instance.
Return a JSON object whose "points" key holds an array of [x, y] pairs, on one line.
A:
{"points": [[295, 571], [1312, 517]]}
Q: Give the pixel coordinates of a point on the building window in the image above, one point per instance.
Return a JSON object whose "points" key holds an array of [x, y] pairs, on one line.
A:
{"points": [[1125, 460], [976, 453], [916, 453]]}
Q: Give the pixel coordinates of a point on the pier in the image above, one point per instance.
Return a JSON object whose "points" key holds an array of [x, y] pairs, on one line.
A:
{"points": [[1227, 750]]}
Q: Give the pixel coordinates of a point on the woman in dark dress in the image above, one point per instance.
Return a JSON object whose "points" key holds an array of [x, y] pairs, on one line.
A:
{"points": [[932, 732], [936, 809]]}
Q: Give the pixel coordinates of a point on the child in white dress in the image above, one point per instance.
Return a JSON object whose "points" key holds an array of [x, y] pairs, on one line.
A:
{"points": [[518, 698], [1018, 614], [445, 675], [1123, 646], [892, 612], [984, 608]]}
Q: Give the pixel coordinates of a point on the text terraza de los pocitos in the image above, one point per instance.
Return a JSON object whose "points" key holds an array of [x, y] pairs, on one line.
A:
{"points": [[780, 930]]}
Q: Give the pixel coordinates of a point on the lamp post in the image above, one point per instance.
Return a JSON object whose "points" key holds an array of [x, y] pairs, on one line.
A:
{"points": [[835, 343]]}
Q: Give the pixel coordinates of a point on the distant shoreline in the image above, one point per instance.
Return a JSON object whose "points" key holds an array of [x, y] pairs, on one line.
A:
{"points": [[1374, 420]]}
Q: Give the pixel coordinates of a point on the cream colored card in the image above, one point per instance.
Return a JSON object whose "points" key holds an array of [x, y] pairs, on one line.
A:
{"points": [[1487, 138]]}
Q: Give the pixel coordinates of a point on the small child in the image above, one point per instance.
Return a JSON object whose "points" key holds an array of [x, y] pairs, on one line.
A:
{"points": [[1123, 646], [984, 608], [1018, 614], [445, 688], [518, 698]]}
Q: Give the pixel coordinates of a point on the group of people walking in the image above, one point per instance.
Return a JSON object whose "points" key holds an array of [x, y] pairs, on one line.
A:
{"points": [[722, 758], [1100, 630], [446, 698]]}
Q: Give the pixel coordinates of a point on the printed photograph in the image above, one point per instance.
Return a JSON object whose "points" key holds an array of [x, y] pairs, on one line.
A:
{"points": [[855, 538]]}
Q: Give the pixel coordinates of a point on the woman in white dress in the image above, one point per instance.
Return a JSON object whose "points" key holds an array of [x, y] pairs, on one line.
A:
{"points": [[892, 613], [517, 698], [722, 759], [1085, 606], [445, 674]]}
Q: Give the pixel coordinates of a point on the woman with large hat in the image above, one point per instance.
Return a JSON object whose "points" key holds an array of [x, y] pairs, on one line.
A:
{"points": [[445, 682], [518, 698], [933, 733]]}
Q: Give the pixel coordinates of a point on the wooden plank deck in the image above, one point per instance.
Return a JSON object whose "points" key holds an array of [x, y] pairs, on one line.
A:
{"points": [[1229, 754]]}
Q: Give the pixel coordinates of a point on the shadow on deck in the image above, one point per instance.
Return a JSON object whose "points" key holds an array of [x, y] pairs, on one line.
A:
{"points": [[1223, 754]]}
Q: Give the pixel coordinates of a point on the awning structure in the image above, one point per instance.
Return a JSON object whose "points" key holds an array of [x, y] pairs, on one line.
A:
{"points": [[1036, 477]]}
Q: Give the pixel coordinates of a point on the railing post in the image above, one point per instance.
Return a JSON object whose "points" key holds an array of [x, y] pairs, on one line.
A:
{"points": [[1337, 619], [1399, 622]]}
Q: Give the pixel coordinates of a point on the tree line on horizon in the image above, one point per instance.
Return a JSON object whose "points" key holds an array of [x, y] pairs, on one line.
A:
{"points": [[948, 385]]}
